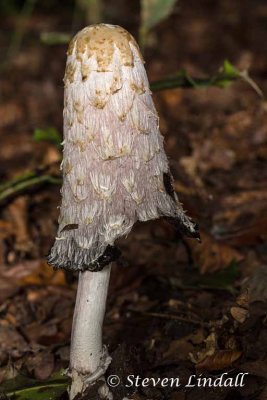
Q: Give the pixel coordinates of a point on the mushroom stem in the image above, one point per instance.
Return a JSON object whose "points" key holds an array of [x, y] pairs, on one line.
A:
{"points": [[88, 357]]}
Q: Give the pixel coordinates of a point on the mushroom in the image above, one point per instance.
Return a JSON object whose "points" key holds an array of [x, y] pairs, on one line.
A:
{"points": [[115, 172]]}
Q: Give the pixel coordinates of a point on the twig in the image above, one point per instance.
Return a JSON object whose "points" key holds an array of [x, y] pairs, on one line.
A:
{"points": [[54, 38], [170, 316], [24, 182], [183, 80], [227, 75]]}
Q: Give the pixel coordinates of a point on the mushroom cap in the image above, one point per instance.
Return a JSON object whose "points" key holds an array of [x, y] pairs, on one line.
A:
{"points": [[100, 41], [115, 170]]}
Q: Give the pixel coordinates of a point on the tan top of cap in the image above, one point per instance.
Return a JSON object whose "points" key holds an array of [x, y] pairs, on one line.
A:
{"points": [[100, 41]]}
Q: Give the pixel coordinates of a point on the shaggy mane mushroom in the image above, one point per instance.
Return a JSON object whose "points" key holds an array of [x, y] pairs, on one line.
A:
{"points": [[115, 172]]}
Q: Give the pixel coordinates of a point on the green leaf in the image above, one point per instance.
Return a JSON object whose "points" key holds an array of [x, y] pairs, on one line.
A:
{"points": [[153, 12], [229, 70], [24, 388], [50, 135], [229, 73]]}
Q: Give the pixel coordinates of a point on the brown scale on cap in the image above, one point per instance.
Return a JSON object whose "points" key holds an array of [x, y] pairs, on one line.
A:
{"points": [[100, 41]]}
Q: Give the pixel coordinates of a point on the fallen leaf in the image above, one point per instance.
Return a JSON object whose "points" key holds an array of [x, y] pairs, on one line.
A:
{"points": [[243, 299], [41, 364], [10, 113], [7, 288], [42, 274], [7, 372], [178, 351], [211, 255], [12, 344], [36, 272], [18, 213], [40, 333], [209, 350], [239, 314], [247, 235], [220, 360]]}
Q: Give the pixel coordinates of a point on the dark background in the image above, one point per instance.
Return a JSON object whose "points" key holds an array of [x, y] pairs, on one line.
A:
{"points": [[175, 306]]}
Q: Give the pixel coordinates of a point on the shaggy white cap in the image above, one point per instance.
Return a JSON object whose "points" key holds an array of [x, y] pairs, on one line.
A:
{"points": [[115, 171]]}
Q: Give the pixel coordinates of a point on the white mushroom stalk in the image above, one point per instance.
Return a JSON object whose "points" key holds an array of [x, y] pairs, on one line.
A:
{"points": [[88, 358], [115, 172]]}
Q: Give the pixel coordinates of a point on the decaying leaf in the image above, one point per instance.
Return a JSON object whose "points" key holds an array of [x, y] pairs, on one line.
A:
{"points": [[35, 272], [209, 350], [220, 360], [240, 314], [42, 274], [12, 343], [10, 113], [243, 299], [41, 364], [18, 214], [211, 255], [7, 372]]}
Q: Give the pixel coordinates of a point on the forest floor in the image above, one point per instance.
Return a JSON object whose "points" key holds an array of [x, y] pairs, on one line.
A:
{"points": [[175, 308]]}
